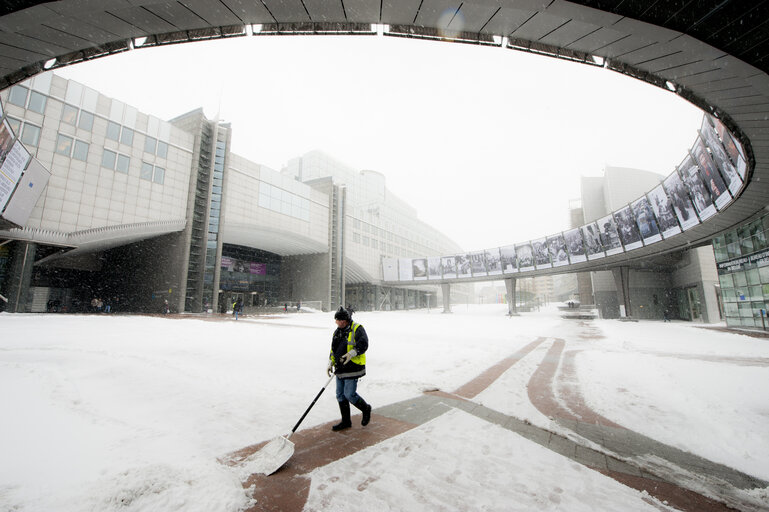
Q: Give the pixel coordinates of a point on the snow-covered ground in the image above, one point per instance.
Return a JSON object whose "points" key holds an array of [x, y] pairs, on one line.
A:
{"points": [[131, 413]]}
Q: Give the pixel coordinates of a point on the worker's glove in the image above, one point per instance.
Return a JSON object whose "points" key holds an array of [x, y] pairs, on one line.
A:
{"points": [[330, 368], [349, 355]]}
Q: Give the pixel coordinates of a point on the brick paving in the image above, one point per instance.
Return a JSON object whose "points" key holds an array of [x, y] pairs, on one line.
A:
{"points": [[620, 457]]}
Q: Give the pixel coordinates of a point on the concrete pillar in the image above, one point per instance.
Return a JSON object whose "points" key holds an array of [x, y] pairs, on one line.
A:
{"points": [[446, 292], [622, 282], [510, 287], [709, 302], [20, 277]]}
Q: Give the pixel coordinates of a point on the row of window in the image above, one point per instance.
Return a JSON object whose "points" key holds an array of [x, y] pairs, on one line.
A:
{"points": [[36, 102], [388, 250], [78, 150], [30, 133], [390, 236], [745, 240], [283, 201]]}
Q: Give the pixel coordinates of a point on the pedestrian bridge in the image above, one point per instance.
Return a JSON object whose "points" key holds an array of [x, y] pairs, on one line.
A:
{"points": [[713, 54]]}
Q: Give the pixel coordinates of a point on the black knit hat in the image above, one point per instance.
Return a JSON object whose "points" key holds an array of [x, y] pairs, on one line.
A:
{"points": [[342, 314]]}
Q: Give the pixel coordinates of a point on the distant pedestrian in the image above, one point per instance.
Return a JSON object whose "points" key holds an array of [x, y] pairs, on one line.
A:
{"points": [[348, 361], [166, 307], [237, 308], [285, 307], [666, 316]]}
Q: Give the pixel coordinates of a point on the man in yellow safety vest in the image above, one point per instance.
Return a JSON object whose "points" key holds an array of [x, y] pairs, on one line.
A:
{"points": [[348, 361]]}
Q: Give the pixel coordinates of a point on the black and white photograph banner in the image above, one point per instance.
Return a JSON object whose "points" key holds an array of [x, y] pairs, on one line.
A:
{"points": [[434, 268], [647, 224], [710, 175], [609, 235], [682, 203], [509, 259], [493, 261], [732, 146], [541, 254], [10, 172], [390, 269], [721, 159], [449, 267], [463, 266], [701, 198], [664, 211], [419, 266], [556, 246], [525, 257], [591, 236], [575, 245], [478, 264], [628, 228], [405, 269]]}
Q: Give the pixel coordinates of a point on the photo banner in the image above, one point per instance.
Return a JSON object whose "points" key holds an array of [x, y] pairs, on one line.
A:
{"points": [[493, 261], [682, 204], [389, 269], [701, 198], [463, 266], [609, 235], [627, 227], [509, 259], [710, 175], [434, 268], [663, 210], [574, 245], [16, 160], [647, 224], [556, 247], [28, 191], [449, 267], [541, 255], [419, 269], [6, 140], [259, 269], [732, 146], [720, 158], [591, 238], [478, 264], [525, 257], [405, 270]]}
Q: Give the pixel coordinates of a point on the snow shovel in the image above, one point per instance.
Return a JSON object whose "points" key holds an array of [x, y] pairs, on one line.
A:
{"points": [[274, 454]]}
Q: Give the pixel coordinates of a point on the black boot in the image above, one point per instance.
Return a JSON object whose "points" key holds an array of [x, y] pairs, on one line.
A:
{"points": [[365, 409], [344, 408]]}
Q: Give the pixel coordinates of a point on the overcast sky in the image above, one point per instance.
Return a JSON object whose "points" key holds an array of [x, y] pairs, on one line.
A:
{"points": [[487, 143]]}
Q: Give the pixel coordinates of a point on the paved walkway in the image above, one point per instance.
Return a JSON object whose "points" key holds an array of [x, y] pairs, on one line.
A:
{"points": [[685, 481]]}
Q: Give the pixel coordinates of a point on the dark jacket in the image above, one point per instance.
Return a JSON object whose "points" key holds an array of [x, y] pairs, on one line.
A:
{"points": [[339, 348]]}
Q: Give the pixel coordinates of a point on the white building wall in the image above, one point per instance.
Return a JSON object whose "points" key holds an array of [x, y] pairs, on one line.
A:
{"points": [[84, 194]]}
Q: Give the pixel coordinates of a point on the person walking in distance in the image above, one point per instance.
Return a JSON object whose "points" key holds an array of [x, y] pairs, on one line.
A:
{"points": [[348, 361]]}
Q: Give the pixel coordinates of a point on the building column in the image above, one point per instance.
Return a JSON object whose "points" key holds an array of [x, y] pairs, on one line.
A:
{"points": [[446, 292], [622, 282], [510, 287], [709, 302], [20, 277]]}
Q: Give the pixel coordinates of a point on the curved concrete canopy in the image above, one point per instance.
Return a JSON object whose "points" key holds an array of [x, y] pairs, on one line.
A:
{"points": [[713, 53]]}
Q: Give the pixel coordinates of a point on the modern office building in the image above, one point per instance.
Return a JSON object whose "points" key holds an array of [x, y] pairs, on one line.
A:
{"points": [[683, 283], [139, 211], [742, 258]]}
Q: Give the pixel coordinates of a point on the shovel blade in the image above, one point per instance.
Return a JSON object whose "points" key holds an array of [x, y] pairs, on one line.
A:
{"points": [[270, 457]]}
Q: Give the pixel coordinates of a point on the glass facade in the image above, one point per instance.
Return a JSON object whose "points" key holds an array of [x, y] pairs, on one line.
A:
{"points": [[250, 274], [742, 257]]}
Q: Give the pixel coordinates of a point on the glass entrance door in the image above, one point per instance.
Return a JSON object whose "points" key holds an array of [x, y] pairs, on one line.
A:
{"points": [[695, 306]]}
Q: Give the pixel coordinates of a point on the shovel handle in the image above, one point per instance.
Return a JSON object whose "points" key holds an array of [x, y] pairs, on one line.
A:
{"points": [[310, 407]]}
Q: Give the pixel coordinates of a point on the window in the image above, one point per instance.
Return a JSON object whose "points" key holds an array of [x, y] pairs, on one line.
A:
{"points": [[80, 152], [18, 96], [149, 144], [127, 136], [30, 134], [15, 124], [162, 149], [146, 171], [160, 175], [122, 164], [37, 102], [113, 130], [108, 159], [86, 120], [63, 145], [69, 114]]}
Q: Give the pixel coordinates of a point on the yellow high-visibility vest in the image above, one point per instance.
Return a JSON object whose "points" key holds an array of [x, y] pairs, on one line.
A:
{"points": [[360, 358]]}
